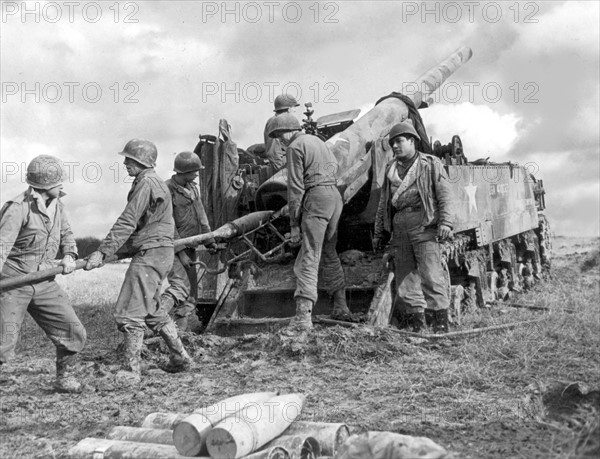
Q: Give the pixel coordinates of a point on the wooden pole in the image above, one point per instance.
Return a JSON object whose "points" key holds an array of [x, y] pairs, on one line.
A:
{"points": [[38, 276], [227, 231]]}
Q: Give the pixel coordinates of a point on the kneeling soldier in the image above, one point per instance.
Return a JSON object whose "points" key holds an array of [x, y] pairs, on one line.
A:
{"points": [[145, 230], [190, 220], [33, 226]]}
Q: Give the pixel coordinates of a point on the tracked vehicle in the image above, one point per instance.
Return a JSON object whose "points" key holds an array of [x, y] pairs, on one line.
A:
{"points": [[501, 238]]}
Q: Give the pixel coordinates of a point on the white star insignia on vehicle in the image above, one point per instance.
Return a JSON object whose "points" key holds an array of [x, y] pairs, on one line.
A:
{"points": [[471, 190]]}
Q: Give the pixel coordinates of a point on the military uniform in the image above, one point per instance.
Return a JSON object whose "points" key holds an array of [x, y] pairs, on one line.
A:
{"points": [[190, 220], [415, 200], [31, 235], [315, 201], [145, 230]]}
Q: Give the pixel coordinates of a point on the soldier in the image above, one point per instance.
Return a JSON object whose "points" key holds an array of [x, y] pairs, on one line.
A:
{"points": [[190, 220], [414, 209], [145, 230], [315, 205], [33, 227], [275, 151]]}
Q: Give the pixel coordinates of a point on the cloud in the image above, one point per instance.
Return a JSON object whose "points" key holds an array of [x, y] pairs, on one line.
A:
{"points": [[547, 71], [483, 131]]}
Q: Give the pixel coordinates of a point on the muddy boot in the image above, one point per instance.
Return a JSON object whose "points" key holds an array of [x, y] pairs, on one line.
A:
{"points": [[429, 317], [66, 382], [131, 372], [417, 321], [301, 323], [180, 359], [181, 323], [440, 324], [340, 308]]}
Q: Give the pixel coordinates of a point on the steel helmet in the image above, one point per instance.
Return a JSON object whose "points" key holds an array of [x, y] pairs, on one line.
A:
{"points": [[45, 172], [186, 161], [142, 151], [404, 128], [284, 122], [283, 101]]}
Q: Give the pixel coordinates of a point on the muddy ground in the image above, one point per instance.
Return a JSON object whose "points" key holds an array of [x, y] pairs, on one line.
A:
{"points": [[527, 392]]}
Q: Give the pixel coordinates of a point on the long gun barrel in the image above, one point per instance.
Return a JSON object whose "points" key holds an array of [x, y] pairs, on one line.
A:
{"points": [[349, 146], [431, 80], [229, 230]]}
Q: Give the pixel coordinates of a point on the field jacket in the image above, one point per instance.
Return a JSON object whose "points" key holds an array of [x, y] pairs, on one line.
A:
{"points": [[310, 163], [188, 211], [146, 222], [434, 191], [29, 237]]}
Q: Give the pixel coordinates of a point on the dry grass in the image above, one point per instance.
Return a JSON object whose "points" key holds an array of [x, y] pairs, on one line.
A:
{"points": [[501, 395]]}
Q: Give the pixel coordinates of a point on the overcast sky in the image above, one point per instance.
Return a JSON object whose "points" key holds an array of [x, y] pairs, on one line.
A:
{"points": [[79, 79]]}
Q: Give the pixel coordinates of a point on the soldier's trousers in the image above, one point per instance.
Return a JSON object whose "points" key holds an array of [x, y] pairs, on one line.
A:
{"points": [[419, 274], [181, 281], [139, 299], [318, 262], [48, 304]]}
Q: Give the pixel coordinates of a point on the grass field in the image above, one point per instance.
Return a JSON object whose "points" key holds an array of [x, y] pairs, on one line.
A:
{"points": [[532, 391]]}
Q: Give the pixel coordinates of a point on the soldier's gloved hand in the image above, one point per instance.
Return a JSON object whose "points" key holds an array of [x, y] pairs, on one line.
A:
{"points": [[184, 259], [377, 244], [95, 260], [212, 248], [295, 235], [68, 264], [387, 260], [444, 232]]}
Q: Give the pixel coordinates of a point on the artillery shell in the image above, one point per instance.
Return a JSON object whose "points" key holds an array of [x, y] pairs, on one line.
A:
{"points": [[254, 426], [329, 435], [141, 435]]}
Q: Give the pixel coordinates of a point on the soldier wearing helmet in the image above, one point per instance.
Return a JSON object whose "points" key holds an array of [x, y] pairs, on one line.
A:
{"points": [[145, 231], [315, 206], [33, 228], [274, 150], [415, 210], [190, 220]]}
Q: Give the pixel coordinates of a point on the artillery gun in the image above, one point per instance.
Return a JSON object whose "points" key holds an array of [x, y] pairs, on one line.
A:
{"points": [[501, 237]]}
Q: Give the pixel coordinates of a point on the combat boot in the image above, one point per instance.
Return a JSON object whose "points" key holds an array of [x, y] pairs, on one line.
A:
{"points": [[440, 324], [180, 360], [66, 382], [131, 372], [417, 321], [429, 317], [181, 323], [301, 323], [340, 308]]}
